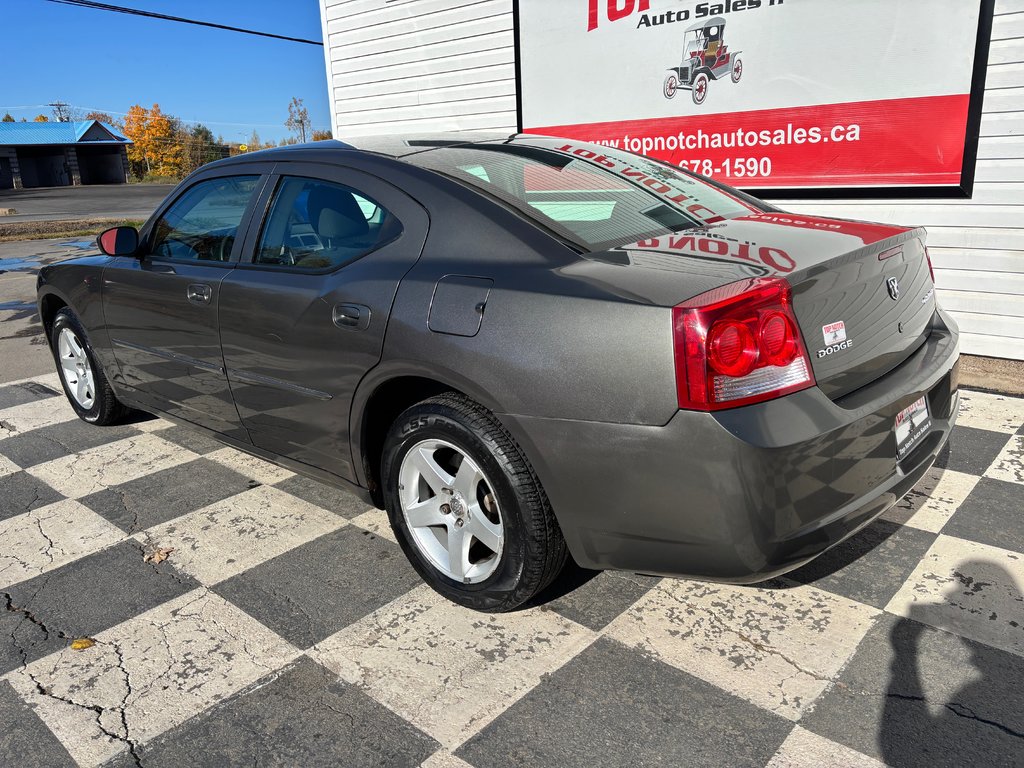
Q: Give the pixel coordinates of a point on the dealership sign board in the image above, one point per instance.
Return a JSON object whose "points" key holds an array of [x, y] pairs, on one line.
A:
{"points": [[771, 94]]}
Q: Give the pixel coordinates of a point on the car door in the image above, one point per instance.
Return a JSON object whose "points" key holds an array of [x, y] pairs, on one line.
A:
{"points": [[302, 317], [161, 306]]}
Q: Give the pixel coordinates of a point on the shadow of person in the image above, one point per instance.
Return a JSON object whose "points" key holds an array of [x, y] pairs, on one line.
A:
{"points": [[952, 701]]}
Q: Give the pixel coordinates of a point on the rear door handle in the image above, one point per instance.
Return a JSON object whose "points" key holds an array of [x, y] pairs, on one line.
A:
{"points": [[352, 317], [198, 293]]}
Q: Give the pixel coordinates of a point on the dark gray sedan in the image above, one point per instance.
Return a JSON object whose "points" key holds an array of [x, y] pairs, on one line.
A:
{"points": [[526, 349]]}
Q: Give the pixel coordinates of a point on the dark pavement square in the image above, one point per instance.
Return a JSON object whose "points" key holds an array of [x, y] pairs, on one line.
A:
{"points": [[869, 567], [320, 587], [324, 496], [85, 597], [672, 718], [993, 513], [167, 494], [300, 716], [972, 450], [914, 695]]}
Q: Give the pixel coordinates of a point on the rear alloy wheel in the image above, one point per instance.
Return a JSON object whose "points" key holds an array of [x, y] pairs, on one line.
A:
{"points": [[466, 506], [450, 509], [84, 381]]}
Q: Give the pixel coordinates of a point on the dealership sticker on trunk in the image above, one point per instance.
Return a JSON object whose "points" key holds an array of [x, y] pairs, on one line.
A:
{"points": [[912, 424], [834, 333], [835, 339]]}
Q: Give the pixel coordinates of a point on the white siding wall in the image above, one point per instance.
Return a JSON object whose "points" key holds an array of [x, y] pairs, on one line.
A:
{"points": [[436, 65], [420, 65]]}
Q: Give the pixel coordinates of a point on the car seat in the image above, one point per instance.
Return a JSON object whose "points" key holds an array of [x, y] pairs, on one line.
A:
{"points": [[340, 225]]}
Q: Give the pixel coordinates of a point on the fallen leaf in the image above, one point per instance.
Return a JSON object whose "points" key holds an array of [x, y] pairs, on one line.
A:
{"points": [[81, 643], [157, 556]]}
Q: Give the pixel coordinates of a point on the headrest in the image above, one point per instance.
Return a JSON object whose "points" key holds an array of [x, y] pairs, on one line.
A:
{"points": [[335, 214]]}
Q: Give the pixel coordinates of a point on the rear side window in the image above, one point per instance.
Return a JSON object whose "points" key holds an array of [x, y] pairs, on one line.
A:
{"points": [[202, 224], [317, 226], [595, 197]]}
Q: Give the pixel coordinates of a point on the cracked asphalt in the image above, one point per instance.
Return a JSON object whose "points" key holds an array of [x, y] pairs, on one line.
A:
{"points": [[280, 624]]}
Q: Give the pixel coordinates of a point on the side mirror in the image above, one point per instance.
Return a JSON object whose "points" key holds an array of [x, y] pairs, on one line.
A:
{"points": [[119, 241]]}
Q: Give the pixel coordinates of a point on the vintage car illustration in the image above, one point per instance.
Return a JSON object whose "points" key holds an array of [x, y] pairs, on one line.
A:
{"points": [[706, 57]]}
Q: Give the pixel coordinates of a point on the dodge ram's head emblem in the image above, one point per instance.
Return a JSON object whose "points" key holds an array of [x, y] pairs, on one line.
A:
{"points": [[894, 288]]}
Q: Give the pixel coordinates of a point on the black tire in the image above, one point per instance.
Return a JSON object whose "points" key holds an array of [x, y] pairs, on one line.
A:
{"points": [[105, 409], [534, 552]]}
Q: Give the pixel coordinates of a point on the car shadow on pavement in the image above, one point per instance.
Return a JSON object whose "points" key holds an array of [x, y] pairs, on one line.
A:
{"points": [[569, 580], [953, 701]]}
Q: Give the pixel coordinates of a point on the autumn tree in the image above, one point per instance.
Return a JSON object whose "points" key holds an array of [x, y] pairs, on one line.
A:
{"points": [[8, 118], [40, 119], [156, 149], [322, 135], [298, 119]]}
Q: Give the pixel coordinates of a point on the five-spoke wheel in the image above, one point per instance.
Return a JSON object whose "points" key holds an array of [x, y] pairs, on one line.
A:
{"points": [[451, 511], [76, 369], [84, 382], [466, 506]]}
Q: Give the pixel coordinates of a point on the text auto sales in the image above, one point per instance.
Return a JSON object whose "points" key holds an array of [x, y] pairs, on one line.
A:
{"points": [[616, 10]]}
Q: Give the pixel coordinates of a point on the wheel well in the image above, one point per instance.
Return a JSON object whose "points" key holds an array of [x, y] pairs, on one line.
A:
{"points": [[384, 406], [49, 307]]}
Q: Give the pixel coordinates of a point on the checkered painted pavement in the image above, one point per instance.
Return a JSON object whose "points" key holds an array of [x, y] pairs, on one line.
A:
{"points": [[286, 628]]}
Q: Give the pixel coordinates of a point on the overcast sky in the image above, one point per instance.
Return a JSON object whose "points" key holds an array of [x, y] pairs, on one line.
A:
{"points": [[106, 61]]}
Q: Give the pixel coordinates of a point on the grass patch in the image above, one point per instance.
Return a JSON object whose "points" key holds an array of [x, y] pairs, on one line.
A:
{"points": [[44, 230]]}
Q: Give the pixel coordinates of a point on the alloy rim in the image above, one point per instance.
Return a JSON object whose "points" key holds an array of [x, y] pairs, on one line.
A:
{"points": [[76, 369], [451, 511]]}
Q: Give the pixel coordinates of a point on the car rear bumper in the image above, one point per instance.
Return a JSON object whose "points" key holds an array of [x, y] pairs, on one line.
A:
{"points": [[745, 494]]}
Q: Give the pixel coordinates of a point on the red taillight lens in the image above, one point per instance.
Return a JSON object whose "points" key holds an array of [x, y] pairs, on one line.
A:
{"points": [[931, 269], [738, 345], [779, 339], [732, 348]]}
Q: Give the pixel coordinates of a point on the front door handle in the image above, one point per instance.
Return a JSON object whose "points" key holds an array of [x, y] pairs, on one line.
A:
{"points": [[198, 293], [352, 317]]}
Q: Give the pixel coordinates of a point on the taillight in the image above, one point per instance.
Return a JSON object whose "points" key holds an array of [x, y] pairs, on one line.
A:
{"points": [[931, 269], [737, 345]]}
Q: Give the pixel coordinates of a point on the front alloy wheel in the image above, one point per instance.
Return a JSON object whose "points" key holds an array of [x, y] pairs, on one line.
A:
{"points": [[76, 369], [81, 374]]}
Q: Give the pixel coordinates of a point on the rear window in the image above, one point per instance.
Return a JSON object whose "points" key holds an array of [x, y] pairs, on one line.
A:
{"points": [[595, 198]]}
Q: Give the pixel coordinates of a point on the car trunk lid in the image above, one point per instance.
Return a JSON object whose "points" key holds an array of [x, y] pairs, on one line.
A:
{"points": [[840, 271], [865, 311]]}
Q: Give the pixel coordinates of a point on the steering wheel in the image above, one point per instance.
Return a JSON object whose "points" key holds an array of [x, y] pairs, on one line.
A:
{"points": [[224, 248], [173, 244]]}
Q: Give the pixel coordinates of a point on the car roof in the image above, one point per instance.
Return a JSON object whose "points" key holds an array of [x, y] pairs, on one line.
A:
{"points": [[395, 146]]}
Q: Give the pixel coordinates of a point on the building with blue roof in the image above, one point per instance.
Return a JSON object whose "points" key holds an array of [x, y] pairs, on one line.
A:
{"points": [[61, 154]]}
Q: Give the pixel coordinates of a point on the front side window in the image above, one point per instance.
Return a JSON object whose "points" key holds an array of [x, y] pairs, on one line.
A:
{"points": [[202, 224], [318, 226]]}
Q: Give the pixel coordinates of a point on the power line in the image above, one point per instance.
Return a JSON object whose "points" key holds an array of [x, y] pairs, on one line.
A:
{"points": [[164, 17]]}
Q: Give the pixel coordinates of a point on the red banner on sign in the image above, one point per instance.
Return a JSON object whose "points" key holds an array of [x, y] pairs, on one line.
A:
{"points": [[913, 142]]}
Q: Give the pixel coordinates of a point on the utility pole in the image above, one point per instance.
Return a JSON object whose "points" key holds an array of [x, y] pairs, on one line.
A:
{"points": [[61, 111]]}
